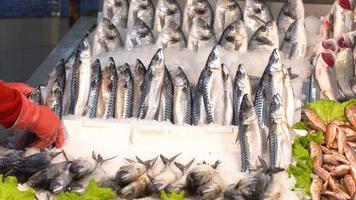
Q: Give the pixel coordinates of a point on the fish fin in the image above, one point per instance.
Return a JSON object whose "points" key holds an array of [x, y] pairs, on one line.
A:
{"points": [[216, 164], [263, 163], [139, 160], [152, 162], [129, 160], [151, 178], [107, 159], [184, 167], [93, 155], [65, 155], [167, 161], [292, 50]]}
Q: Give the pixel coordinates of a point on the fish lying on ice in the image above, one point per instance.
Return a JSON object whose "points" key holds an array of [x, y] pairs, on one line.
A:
{"points": [[234, 37], [167, 11], [142, 9], [226, 12]]}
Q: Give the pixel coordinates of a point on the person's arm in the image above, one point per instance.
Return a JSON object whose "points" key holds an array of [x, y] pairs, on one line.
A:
{"points": [[16, 111]]}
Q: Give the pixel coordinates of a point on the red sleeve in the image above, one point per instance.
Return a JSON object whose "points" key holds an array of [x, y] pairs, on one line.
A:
{"points": [[10, 105]]}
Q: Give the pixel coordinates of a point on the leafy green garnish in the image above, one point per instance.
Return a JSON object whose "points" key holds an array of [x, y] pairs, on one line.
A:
{"points": [[329, 110], [300, 126], [9, 190], [172, 196], [92, 192]]}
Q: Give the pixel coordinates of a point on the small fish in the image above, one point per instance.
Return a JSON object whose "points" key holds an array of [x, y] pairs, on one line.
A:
{"points": [[279, 139], [61, 181], [294, 44], [288, 98], [265, 37], [166, 101], [199, 114], [107, 92], [212, 189], [94, 90], [200, 35], [139, 35], [316, 188], [165, 177], [226, 12], [234, 37], [10, 156], [201, 175], [228, 96], [183, 99], [143, 10], [43, 178], [107, 38], [242, 86], [259, 9], [212, 86], [292, 10], [250, 137], [197, 9], [152, 87], [344, 67], [167, 11], [138, 78], [180, 184], [171, 36], [82, 75], [117, 12], [124, 93]]}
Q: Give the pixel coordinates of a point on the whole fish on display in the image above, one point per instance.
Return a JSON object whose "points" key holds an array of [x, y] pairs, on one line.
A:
{"points": [[199, 116], [171, 36], [342, 18], [152, 87], [43, 178], [235, 37], [139, 72], [139, 35], [94, 90], [166, 102], [197, 9], [183, 99], [117, 12], [265, 37], [292, 10], [181, 183], [107, 91], [242, 86], [228, 96], [61, 181], [36, 96], [167, 11], [124, 93], [344, 67], [294, 44], [212, 189], [142, 9], [107, 38], [259, 9], [200, 35], [226, 12]]}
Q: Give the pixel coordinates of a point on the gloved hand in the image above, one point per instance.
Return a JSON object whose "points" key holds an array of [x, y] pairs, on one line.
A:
{"points": [[41, 121], [21, 87]]}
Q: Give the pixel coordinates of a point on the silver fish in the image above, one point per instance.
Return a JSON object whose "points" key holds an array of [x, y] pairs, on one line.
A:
{"points": [[181, 183], [171, 36], [36, 96], [199, 114], [294, 44], [212, 189], [94, 89], [212, 86], [183, 99], [138, 76], [201, 175], [152, 87], [279, 140], [265, 37], [197, 9], [200, 35], [74, 86], [167, 11], [292, 10], [269, 85], [82, 76], [139, 35], [259, 9], [250, 136], [344, 67], [325, 75], [226, 12], [235, 37], [124, 93], [61, 181], [142, 9], [242, 86], [166, 101], [343, 19], [288, 98], [43, 178], [107, 38], [165, 177], [107, 92], [228, 96], [68, 86], [117, 12]]}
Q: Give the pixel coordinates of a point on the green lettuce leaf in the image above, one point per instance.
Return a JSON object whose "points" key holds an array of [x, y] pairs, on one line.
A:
{"points": [[92, 192], [172, 196], [300, 126], [9, 191], [329, 110]]}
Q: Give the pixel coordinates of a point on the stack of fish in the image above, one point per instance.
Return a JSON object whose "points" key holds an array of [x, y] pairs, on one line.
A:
{"points": [[334, 62], [201, 25], [335, 159]]}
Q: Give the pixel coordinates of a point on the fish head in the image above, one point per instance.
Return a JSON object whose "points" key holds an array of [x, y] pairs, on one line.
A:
{"points": [[226, 73], [56, 187], [84, 48], [140, 69], [275, 61], [141, 28], [157, 64], [347, 4], [327, 58], [213, 61], [200, 29], [123, 70], [277, 110], [330, 44], [180, 79], [247, 110], [171, 7], [172, 26], [96, 66], [241, 71], [109, 29]]}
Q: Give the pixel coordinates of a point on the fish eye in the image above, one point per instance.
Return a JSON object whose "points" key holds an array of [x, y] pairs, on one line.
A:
{"points": [[230, 38], [258, 10]]}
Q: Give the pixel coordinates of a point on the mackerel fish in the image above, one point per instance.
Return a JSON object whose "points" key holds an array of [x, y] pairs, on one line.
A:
{"points": [[94, 90], [167, 11], [141, 9], [117, 12], [171, 36], [197, 9], [234, 37], [226, 12], [138, 78], [124, 93], [139, 35], [200, 35], [183, 99]]}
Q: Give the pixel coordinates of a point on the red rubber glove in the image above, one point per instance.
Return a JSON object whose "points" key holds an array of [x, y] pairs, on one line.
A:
{"points": [[21, 87], [18, 112]]}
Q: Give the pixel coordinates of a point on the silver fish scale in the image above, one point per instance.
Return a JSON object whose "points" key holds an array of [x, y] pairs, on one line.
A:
{"points": [[273, 148], [35, 96], [206, 97], [145, 90], [260, 100], [168, 110], [188, 114], [74, 86], [129, 95], [196, 108], [243, 147], [110, 110], [94, 90]]}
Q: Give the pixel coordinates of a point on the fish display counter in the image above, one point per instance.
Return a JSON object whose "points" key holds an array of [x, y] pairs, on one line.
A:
{"points": [[204, 100]]}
